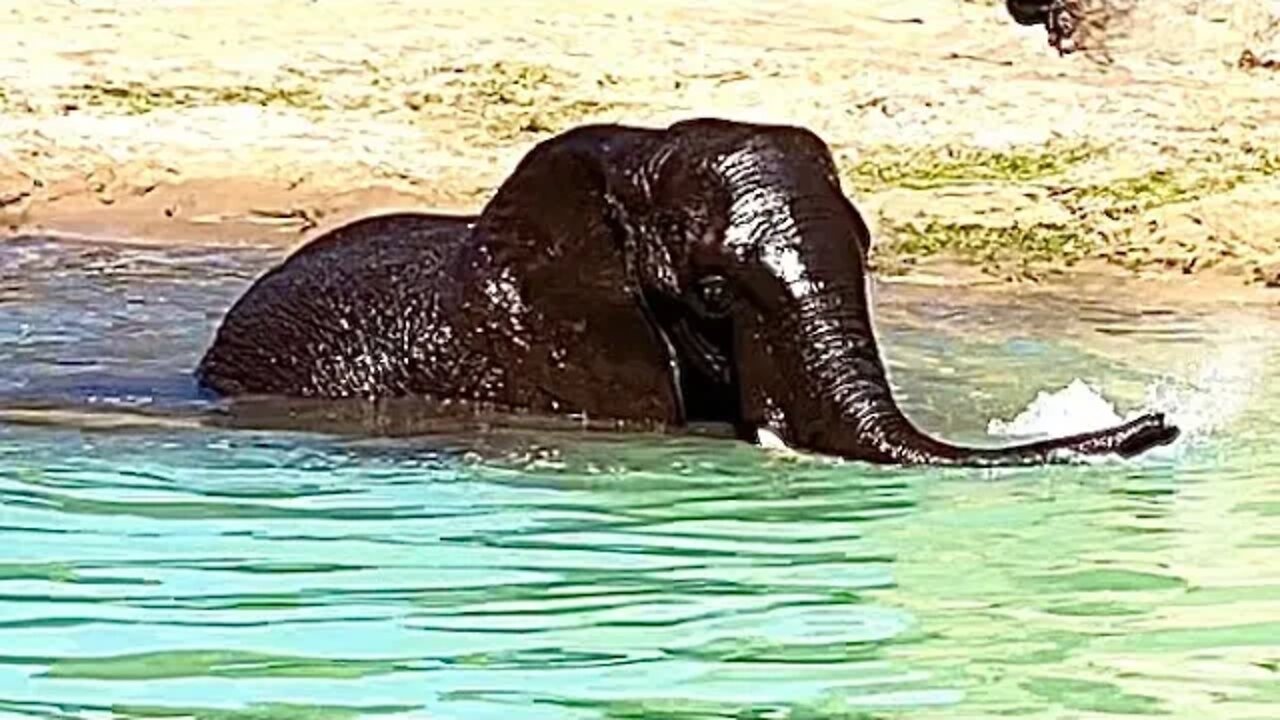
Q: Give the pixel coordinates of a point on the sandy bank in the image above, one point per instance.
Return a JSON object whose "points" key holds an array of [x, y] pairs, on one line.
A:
{"points": [[960, 135]]}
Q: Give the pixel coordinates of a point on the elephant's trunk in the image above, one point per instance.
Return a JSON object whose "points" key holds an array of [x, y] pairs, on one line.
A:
{"points": [[851, 410], [907, 445], [836, 397]]}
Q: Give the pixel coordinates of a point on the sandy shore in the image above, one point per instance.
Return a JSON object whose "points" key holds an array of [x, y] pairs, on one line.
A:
{"points": [[974, 150]]}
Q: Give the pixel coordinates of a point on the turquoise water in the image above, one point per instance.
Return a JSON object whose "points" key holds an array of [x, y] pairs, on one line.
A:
{"points": [[153, 566]]}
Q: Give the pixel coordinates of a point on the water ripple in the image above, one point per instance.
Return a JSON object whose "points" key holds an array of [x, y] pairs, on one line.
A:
{"points": [[154, 567]]}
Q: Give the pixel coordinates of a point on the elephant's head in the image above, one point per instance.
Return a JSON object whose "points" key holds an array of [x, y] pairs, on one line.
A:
{"points": [[751, 264], [1061, 18], [1031, 12]]}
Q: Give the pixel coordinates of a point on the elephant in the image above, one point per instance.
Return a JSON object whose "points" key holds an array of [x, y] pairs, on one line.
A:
{"points": [[1031, 12], [711, 271], [1061, 19]]}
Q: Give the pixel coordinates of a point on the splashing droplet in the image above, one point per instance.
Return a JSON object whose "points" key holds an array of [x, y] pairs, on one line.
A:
{"points": [[1077, 408]]}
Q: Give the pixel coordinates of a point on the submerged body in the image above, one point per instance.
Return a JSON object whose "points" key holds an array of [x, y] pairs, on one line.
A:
{"points": [[710, 271]]}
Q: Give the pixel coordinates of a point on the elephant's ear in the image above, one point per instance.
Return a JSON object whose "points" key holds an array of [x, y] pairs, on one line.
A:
{"points": [[556, 233]]}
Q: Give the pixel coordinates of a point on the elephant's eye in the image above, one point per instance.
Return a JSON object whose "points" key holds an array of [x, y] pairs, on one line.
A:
{"points": [[713, 295]]}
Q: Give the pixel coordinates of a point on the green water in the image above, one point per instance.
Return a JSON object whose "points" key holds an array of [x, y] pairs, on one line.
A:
{"points": [[173, 570]]}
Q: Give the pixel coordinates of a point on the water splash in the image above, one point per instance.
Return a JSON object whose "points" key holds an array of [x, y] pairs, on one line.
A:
{"points": [[1218, 393], [1078, 407], [1205, 399]]}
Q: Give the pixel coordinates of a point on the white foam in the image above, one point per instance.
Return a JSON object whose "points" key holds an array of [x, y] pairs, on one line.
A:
{"points": [[1078, 407], [1211, 393]]}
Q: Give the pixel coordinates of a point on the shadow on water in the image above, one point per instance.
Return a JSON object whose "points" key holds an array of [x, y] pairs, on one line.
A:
{"points": [[158, 563]]}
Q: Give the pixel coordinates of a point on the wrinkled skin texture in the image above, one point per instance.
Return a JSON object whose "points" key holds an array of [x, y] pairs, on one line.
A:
{"points": [[711, 271]]}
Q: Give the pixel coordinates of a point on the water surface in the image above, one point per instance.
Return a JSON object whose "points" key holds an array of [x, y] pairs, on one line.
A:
{"points": [[152, 566]]}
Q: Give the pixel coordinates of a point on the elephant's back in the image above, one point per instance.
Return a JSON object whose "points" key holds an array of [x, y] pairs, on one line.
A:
{"points": [[417, 237], [351, 313]]}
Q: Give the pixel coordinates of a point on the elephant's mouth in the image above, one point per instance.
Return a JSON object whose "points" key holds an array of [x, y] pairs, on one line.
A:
{"points": [[706, 371]]}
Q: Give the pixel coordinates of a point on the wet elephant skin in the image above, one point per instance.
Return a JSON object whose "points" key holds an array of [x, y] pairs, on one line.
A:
{"points": [[709, 271], [1031, 12]]}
